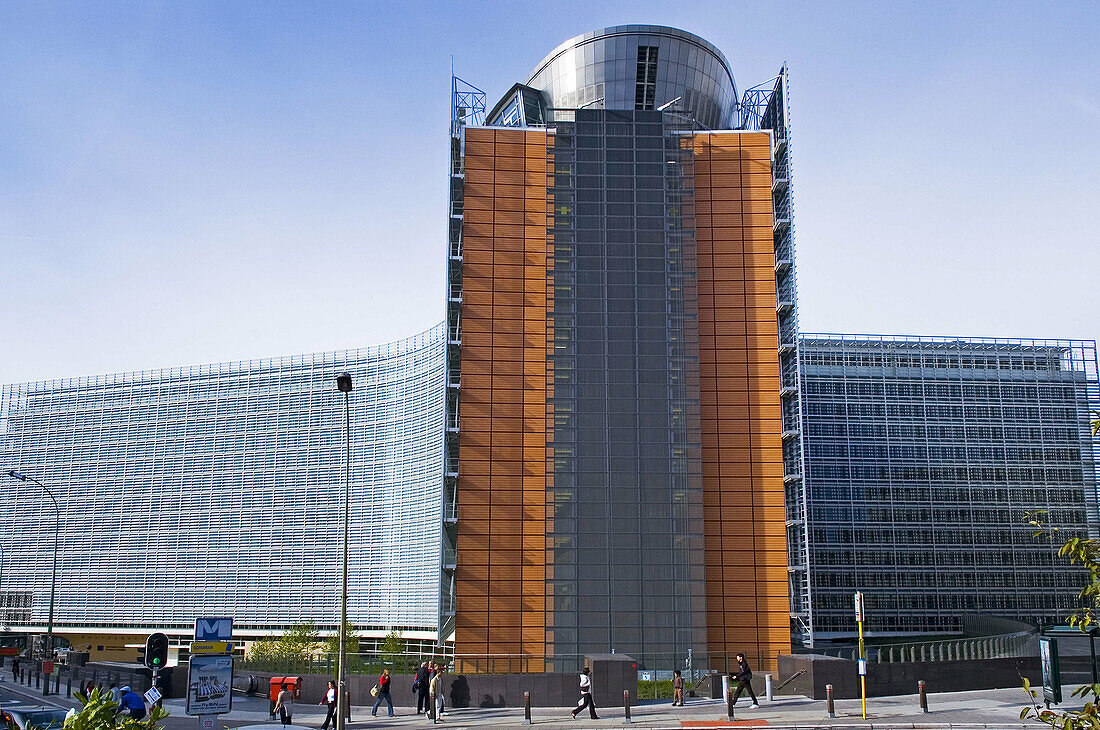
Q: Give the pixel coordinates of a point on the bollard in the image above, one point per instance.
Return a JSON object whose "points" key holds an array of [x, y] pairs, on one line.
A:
{"points": [[829, 700], [347, 704], [38, 680], [729, 704], [526, 708], [69, 687], [923, 696], [626, 705], [768, 686], [57, 684]]}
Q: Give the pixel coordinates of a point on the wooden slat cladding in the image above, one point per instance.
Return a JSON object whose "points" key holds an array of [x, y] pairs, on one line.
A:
{"points": [[745, 531], [502, 556]]}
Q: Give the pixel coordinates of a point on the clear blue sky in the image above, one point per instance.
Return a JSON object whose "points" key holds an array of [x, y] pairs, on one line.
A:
{"points": [[185, 182]]}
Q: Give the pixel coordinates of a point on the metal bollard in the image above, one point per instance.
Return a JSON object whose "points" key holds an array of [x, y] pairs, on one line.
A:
{"points": [[57, 684], [69, 687], [768, 686], [923, 696], [829, 700], [526, 708], [626, 705], [729, 704]]}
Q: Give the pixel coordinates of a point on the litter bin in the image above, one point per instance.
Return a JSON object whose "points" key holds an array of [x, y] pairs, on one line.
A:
{"points": [[294, 684], [716, 691]]}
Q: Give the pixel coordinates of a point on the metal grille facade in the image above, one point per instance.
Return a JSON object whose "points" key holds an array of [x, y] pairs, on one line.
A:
{"points": [[923, 456], [217, 490]]}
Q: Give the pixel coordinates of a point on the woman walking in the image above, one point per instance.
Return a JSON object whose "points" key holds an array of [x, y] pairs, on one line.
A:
{"points": [[383, 693], [330, 700]]}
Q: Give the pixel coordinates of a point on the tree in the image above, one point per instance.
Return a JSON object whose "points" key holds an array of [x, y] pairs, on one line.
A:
{"points": [[392, 650], [332, 648], [301, 641], [1085, 552]]}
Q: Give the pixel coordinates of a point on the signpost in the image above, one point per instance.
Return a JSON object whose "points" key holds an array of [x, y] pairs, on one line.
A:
{"points": [[210, 671], [1052, 681], [862, 656]]}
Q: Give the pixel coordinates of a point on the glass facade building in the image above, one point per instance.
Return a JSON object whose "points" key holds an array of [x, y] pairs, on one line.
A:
{"points": [[614, 368], [218, 490], [923, 456]]}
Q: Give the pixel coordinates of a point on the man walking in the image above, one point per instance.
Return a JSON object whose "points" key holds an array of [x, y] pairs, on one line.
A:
{"points": [[586, 696], [420, 686], [744, 681]]}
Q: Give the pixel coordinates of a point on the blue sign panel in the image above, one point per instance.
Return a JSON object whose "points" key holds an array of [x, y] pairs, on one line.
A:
{"points": [[214, 629]]}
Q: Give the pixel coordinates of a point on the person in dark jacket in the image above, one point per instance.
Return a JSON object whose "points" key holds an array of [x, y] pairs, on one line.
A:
{"points": [[330, 700], [744, 681], [586, 696], [420, 686]]}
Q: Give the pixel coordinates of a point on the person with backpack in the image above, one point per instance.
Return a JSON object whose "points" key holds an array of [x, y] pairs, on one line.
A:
{"points": [[420, 686]]}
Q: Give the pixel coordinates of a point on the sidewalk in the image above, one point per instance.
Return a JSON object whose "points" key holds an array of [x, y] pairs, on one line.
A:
{"points": [[979, 709], [999, 708]]}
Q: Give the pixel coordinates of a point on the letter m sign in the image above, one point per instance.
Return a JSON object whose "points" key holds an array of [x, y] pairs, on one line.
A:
{"points": [[214, 629]]}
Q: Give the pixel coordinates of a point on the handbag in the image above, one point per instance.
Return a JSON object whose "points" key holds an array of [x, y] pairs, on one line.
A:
{"points": [[374, 691]]}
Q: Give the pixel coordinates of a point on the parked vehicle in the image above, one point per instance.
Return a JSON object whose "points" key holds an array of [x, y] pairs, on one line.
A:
{"points": [[32, 718]]}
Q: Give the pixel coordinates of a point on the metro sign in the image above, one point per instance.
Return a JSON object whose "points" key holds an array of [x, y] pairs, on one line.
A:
{"points": [[213, 629]]}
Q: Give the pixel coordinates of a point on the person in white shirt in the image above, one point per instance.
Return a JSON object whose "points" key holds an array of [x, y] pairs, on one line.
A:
{"points": [[330, 700], [586, 696]]}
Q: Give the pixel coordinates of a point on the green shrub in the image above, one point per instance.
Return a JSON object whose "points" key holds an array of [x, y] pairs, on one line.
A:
{"points": [[100, 712]]}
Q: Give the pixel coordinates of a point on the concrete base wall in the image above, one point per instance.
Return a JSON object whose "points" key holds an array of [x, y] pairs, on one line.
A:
{"points": [[611, 675], [887, 679]]}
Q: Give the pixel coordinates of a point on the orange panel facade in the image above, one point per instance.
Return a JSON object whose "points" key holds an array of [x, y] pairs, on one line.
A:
{"points": [[501, 578], [745, 531]]}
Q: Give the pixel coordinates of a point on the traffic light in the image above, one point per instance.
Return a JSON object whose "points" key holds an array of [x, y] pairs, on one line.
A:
{"points": [[156, 651]]}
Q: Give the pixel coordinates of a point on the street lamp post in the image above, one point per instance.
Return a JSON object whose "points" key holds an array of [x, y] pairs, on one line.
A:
{"points": [[56, 531], [343, 384]]}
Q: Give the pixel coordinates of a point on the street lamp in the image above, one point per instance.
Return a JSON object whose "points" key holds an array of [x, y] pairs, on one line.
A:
{"points": [[56, 530], [343, 384]]}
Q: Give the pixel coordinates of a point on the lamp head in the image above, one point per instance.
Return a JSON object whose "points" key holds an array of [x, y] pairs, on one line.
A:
{"points": [[17, 475], [343, 382]]}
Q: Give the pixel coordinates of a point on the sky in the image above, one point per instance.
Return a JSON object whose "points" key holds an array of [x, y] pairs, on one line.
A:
{"points": [[191, 182]]}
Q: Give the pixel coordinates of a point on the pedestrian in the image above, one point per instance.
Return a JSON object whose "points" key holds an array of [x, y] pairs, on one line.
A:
{"points": [[744, 681], [284, 706], [15, 669], [677, 688], [420, 686], [132, 702], [435, 692], [330, 700], [586, 696], [383, 693], [116, 695]]}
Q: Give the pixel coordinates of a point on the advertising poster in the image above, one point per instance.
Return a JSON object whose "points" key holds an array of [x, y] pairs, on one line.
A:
{"points": [[209, 681], [1048, 658]]}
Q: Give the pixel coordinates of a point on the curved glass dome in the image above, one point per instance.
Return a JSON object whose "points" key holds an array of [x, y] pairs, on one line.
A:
{"points": [[640, 67]]}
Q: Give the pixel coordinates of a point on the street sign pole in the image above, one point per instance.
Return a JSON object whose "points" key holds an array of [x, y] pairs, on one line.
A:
{"points": [[862, 656]]}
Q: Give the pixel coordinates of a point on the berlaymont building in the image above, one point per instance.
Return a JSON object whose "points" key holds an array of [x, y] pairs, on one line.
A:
{"points": [[616, 440]]}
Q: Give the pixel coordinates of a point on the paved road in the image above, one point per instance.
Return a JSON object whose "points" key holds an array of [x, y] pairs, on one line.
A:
{"points": [[981, 709]]}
